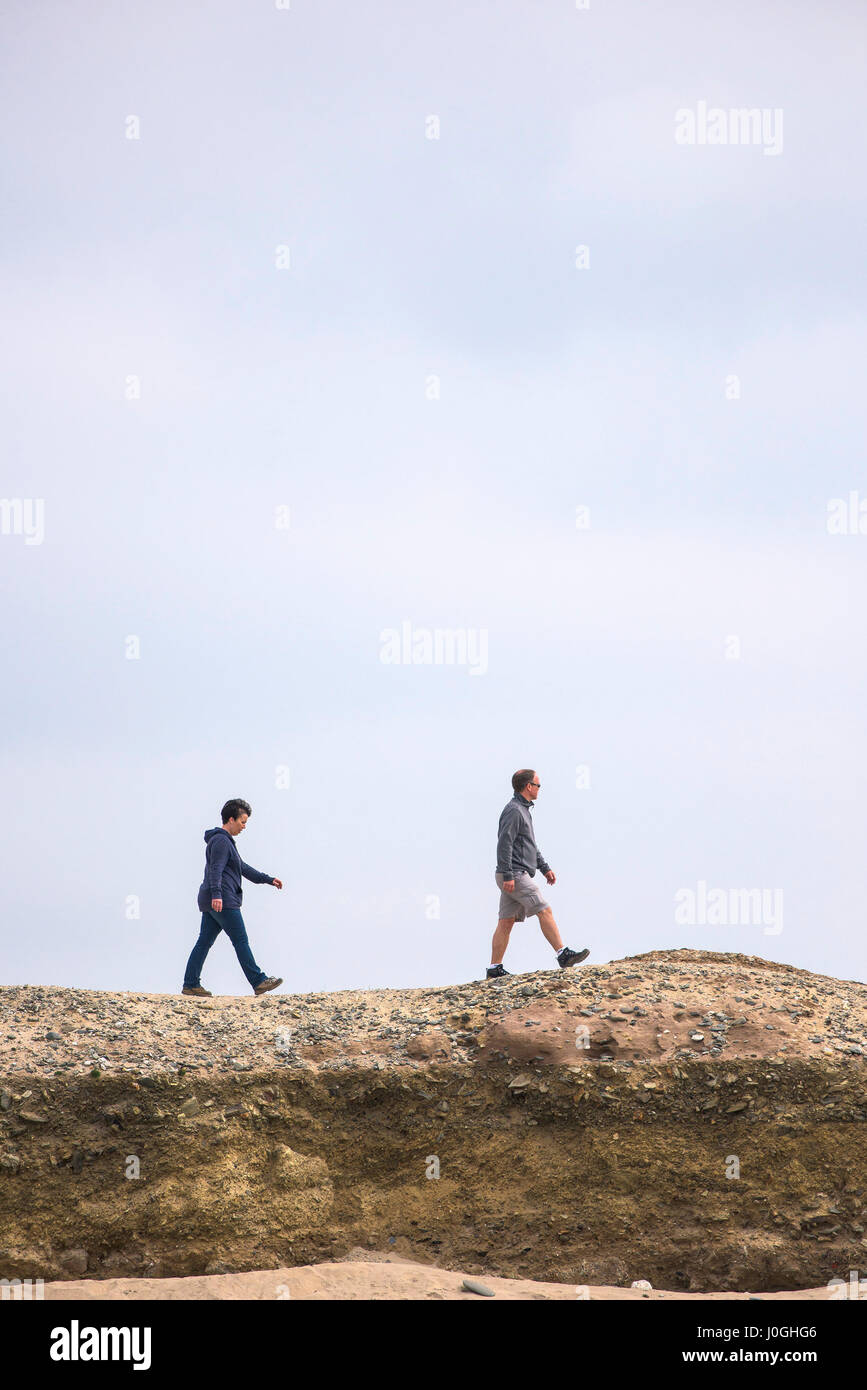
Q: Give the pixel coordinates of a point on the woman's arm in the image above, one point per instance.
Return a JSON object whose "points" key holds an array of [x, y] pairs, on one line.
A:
{"points": [[217, 855], [255, 875]]}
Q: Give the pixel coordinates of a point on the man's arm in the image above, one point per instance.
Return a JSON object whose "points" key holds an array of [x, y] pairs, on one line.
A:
{"points": [[545, 867], [506, 841]]}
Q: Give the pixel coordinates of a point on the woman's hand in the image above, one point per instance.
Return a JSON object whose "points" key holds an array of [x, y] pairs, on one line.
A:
{"points": [[216, 904], [277, 883]]}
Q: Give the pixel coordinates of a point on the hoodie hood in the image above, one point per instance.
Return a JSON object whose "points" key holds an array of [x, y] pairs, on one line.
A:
{"points": [[217, 830]]}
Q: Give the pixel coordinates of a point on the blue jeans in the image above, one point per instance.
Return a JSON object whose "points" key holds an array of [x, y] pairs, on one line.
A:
{"points": [[232, 923]]}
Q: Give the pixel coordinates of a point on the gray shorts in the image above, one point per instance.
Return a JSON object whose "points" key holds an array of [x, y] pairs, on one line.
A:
{"points": [[525, 901]]}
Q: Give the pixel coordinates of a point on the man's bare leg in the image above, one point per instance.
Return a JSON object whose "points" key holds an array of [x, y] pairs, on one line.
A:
{"points": [[549, 929], [501, 939]]}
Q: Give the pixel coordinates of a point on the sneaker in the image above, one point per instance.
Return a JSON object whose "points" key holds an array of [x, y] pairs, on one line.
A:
{"points": [[270, 983], [496, 971], [197, 989], [569, 957]]}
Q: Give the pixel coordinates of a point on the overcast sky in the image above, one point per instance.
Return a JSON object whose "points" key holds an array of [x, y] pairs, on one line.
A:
{"points": [[329, 319]]}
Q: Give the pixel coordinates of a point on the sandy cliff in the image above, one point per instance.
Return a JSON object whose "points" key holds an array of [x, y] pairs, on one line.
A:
{"points": [[586, 1127]]}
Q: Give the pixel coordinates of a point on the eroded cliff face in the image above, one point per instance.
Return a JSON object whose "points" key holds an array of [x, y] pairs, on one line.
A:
{"points": [[690, 1118]]}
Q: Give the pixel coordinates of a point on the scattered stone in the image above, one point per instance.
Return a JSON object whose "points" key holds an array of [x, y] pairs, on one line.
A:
{"points": [[10, 1163], [473, 1286], [74, 1261]]}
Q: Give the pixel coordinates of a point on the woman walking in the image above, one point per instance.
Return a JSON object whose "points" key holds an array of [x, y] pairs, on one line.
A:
{"points": [[220, 902]]}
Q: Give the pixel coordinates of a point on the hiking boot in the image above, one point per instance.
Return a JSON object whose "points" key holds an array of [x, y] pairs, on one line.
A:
{"points": [[197, 989], [270, 983], [496, 971], [569, 957]]}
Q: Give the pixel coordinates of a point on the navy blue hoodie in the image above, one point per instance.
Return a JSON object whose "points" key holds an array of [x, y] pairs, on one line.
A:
{"points": [[223, 869]]}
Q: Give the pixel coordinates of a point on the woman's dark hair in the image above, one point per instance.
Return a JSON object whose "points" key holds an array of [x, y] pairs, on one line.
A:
{"points": [[234, 808], [521, 778]]}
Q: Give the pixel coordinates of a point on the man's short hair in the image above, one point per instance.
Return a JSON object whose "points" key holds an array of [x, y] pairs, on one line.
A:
{"points": [[234, 808], [521, 778]]}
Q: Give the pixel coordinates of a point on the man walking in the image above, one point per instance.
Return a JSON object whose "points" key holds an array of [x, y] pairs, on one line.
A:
{"points": [[220, 902], [517, 862]]}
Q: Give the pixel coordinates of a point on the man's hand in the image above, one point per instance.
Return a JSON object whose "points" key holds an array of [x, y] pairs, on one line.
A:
{"points": [[217, 904], [508, 885], [277, 882], [551, 876]]}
